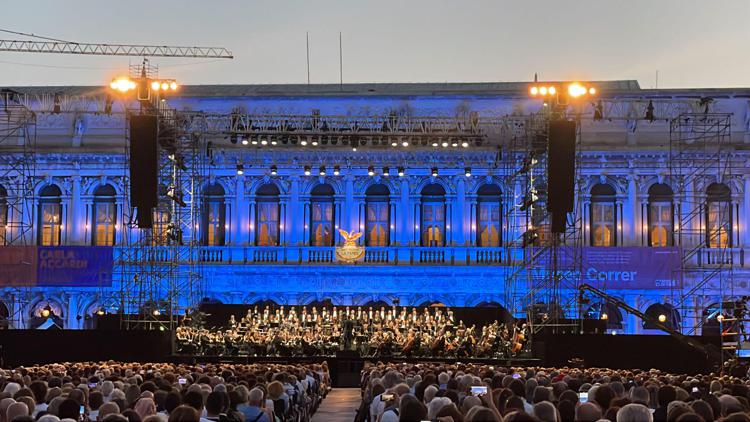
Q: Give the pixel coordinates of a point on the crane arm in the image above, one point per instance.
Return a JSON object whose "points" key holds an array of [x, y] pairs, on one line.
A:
{"points": [[114, 49]]}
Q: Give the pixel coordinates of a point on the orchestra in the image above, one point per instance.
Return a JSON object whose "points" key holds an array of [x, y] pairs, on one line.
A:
{"points": [[383, 332]]}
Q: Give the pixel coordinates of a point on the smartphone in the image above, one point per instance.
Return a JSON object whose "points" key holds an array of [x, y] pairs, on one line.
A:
{"points": [[82, 410], [182, 381], [516, 376], [92, 385], [695, 389], [386, 397], [478, 390], [583, 397]]}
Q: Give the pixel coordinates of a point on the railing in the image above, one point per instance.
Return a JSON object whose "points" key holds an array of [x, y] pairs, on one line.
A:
{"points": [[388, 255]]}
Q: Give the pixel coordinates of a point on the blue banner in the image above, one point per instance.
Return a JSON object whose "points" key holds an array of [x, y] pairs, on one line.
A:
{"points": [[80, 266], [631, 267]]}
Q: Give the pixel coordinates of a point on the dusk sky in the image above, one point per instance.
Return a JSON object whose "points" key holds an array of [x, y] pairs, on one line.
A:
{"points": [[691, 43]]}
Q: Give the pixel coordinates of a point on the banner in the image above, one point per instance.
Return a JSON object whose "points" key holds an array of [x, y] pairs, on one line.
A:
{"points": [[631, 267], [17, 266], [81, 266], [74, 266]]}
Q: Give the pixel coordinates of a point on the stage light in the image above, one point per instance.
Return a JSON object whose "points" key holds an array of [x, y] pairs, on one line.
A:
{"points": [[307, 170], [244, 141], [604, 316], [240, 169], [263, 142], [401, 172], [467, 171], [164, 86], [156, 312], [336, 170], [662, 318], [434, 144], [592, 91], [552, 90], [274, 142], [155, 85], [386, 171], [123, 85], [274, 171], [434, 172], [720, 318], [46, 311], [322, 170], [405, 144], [534, 90], [444, 145], [371, 171], [354, 149], [394, 144], [100, 312], [465, 144], [303, 142], [576, 90], [315, 143], [454, 144], [543, 90], [173, 86]]}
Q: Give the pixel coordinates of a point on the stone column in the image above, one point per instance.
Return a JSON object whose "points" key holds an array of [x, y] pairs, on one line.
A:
{"points": [[76, 221], [241, 218], [630, 220], [460, 219], [294, 224], [350, 208], [405, 222]]}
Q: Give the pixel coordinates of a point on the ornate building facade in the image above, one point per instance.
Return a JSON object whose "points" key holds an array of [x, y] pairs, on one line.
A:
{"points": [[441, 220]]}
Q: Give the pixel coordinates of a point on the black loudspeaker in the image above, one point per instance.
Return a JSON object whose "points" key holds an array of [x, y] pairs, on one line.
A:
{"points": [[144, 167], [561, 168]]}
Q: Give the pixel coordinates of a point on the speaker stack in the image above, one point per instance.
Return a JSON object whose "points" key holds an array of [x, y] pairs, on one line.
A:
{"points": [[561, 155], [144, 168]]}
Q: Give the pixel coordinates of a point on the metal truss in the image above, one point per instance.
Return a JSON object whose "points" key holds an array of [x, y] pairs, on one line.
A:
{"points": [[23, 46], [17, 165], [700, 153], [159, 276]]}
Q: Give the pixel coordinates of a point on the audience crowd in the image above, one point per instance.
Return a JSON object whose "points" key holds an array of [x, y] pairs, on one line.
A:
{"points": [[454, 393], [160, 392]]}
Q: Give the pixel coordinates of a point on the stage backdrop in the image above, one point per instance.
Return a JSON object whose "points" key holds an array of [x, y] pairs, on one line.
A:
{"points": [[75, 266]]}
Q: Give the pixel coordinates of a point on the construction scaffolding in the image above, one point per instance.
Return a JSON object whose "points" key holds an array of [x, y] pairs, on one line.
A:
{"points": [[160, 280], [17, 171], [700, 165]]}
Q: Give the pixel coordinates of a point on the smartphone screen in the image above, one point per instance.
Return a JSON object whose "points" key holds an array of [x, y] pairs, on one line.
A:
{"points": [[82, 410], [386, 397], [182, 381], [583, 397], [478, 390], [92, 385], [516, 376]]}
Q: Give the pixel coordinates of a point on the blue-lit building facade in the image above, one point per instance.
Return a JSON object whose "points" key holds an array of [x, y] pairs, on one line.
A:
{"points": [[436, 228]]}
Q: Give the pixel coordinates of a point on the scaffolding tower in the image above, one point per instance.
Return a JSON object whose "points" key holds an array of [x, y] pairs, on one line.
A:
{"points": [[17, 165], [700, 163], [160, 280]]}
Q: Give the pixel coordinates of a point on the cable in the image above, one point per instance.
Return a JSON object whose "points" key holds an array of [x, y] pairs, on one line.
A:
{"points": [[36, 36]]}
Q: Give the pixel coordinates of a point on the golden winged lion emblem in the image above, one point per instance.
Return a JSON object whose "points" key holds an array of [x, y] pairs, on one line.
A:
{"points": [[350, 239]]}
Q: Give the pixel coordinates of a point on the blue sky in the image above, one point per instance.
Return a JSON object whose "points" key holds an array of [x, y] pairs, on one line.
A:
{"points": [[691, 43]]}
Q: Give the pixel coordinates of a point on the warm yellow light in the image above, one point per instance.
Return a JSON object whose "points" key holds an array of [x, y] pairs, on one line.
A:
{"points": [[534, 90], [662, 318], [164, 86], [592, 91], [155, 85], [543, 90], [122, 84], [552, 90], [720, 318], [575, 90], [605, 316], [173, 86], [45, 312]]}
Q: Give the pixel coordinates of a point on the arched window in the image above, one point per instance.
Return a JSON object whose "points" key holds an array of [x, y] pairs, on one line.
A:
{"points": [[214, 215], [433, 215], [3, 215], [321, 215], [660, 212], [489, 211], [719, 216], [50, 216], [104, 216], [603, 215], [267, 215], [377, 215], [160, 229]]}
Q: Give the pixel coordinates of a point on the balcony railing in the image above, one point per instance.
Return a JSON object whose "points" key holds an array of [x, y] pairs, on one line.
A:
{"points": [[389, 255]]}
